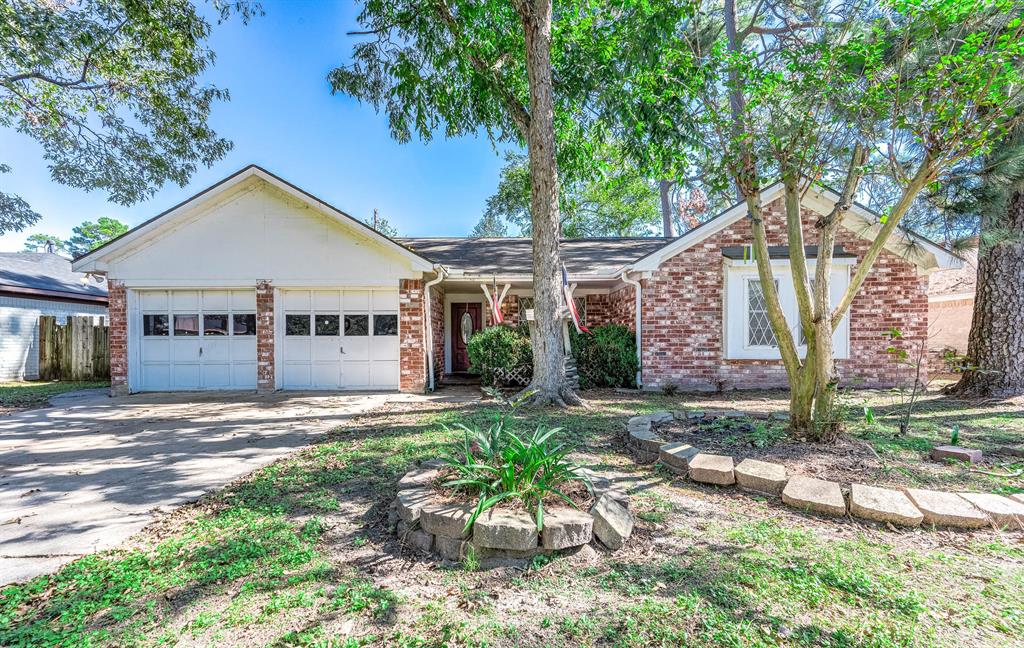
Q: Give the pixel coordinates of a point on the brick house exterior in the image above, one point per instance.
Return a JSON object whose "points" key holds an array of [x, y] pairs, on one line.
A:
{"points": [[317, 300]]}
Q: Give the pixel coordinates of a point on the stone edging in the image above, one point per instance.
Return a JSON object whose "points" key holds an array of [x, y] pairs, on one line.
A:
{"points": [[501, 537], [906, 507]]}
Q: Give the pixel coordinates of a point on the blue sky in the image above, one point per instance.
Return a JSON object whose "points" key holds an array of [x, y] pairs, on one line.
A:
{"points": [[283, 117]]}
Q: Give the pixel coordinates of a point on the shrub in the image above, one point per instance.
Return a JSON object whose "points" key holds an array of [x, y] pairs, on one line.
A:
{"points": [[498, 347], [495, 465], [606, 357]]}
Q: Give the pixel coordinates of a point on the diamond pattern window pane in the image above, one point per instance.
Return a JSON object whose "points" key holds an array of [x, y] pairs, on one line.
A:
{"points": [[759, 329]]}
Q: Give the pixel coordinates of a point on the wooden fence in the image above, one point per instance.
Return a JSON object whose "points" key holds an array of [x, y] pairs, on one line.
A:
{"points": [[76, 350]]}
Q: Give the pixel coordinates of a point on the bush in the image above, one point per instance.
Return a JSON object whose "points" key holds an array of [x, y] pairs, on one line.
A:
{"points": [[606, 357], [498, 347]]}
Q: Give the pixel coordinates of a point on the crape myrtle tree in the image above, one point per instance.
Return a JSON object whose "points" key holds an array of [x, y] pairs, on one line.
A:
{"points": [[471, 66], [111, 91], [805, 92]]}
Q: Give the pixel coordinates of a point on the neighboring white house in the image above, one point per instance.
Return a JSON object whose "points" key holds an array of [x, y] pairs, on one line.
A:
{"points": [[34, 284]]}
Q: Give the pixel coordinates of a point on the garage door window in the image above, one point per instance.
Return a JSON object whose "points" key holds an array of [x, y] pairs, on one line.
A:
{"points": [[154, 325], [296, 324], [215, 324], [328, 325], [186, 325], [357, 325], [244, 324], [385, 324]]}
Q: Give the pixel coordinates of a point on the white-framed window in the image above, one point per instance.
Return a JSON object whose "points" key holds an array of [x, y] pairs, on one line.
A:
{"points": [[748, 332]]}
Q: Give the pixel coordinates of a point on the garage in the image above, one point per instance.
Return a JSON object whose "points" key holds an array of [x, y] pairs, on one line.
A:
{"points": [[339, 339], [197, 339]]}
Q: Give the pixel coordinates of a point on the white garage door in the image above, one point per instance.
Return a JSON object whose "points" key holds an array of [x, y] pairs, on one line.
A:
{"points": [[197, 339], [339, 339]]}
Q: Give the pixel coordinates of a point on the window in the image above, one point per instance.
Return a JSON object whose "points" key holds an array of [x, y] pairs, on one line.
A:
{"points": [[357, 325], [296, 324], [215, 324], [244, 324], [186, 325], [759, 328], [155, 325], [385, 324], [327, 325]]}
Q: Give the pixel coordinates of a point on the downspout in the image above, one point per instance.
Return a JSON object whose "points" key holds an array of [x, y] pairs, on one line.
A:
{"points": [[639, 320], [441, 274]]}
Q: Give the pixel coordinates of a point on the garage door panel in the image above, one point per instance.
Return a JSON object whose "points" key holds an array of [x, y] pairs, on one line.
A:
{"points": [[155, 300], [356, 348], [216, 350], [156, 376], [327, 300], [217, 376], [326, 348], [184, 300], [356, 374], [215, 300], [243, 375], [243, 300], [384, 348], [296, 300], [184, 350], [185, 376], [297, 375], [385, 300], [243, 349], [156, 349], [326, 374], [383, 374]]}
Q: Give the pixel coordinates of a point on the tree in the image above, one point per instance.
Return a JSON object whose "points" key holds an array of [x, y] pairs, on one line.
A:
{"points": [[88, 236], [474, 67], [45, 243], [995, 345], [111, 91], [617, 202], [805, 93]]}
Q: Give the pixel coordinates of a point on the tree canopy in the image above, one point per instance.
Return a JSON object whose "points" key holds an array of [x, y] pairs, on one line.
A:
{"points": [[112, 91], [84, 237]]}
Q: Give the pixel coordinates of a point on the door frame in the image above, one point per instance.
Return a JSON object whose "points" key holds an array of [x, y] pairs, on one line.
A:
{"points": [[455, 330], [459, 298]]}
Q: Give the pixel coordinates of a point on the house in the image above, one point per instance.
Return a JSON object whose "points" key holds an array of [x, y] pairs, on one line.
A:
{"points": [[951, 309], [34, 284], [255, 283]]}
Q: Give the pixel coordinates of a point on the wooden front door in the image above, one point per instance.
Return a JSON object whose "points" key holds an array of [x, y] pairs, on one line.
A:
{"points": [[465, 322]]}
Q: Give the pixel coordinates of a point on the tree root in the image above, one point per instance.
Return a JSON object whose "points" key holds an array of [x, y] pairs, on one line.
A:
{"points": [[1012, 475], [563, 396]]}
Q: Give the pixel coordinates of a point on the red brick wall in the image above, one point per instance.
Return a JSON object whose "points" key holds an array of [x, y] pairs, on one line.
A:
{"points": [[598, 310], [437, 326], [264, 336], [683, 327], [622, 307], [117, 309], [412, 350]]}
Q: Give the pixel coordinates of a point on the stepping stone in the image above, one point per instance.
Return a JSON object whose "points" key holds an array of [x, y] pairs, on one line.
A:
{"points": [[946, 509], [883, 505], [660, 417], [450, 548], [712, 469], [613, 524], [446, 520], [415, 539], [410, 502], [761, 476], [418, 477], [604, 486], [647, 441], [1013, 451], [566, 527], [1019, 497], [815, 495], [677, 455], [513, 530], [1003, 511], [941, 453]]}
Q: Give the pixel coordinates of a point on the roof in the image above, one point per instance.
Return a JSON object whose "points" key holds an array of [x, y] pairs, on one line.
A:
{"points": [[955, 281], [514, 256], [47, 275], [93, 260]]}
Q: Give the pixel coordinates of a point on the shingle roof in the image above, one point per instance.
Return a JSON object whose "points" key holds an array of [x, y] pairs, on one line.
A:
{"points": [[43, 272], [514, 256]]}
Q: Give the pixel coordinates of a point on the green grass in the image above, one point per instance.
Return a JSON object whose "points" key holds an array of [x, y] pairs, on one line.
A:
{"points": [[266, 561], [19, 395]]}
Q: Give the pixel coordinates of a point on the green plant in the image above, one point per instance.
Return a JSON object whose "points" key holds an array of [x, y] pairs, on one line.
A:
{"points": [[669, 390], [495, 465], [498, 347], [954, 438], [606, 357], [471, 561]]}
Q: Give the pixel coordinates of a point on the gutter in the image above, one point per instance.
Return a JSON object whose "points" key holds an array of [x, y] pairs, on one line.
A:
{"points": [[442, 272], [639, 352]]}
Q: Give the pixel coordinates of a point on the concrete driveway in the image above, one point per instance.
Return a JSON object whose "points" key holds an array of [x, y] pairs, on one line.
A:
{"points": [[84, 475]]}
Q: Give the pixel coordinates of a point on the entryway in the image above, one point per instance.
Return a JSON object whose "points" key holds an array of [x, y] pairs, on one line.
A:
{"points": [[465, 321]]}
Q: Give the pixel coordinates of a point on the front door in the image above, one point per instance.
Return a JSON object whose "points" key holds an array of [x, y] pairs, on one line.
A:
{"points": [[465, 322]]}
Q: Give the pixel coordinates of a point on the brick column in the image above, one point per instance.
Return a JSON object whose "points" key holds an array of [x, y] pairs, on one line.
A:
{"points": [[117, 309], [264, 336], [412, 349]]}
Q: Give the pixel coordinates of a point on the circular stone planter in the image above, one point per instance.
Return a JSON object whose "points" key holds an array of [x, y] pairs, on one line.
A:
{"points": [[427, 524]]}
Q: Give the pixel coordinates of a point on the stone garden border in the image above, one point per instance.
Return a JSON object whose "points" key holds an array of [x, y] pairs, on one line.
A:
{"points": [[909, 507], [426, 524]]}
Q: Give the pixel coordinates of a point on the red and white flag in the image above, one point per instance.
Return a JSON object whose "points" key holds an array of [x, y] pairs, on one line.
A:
{"points": [[494, 300], [570, 303]]}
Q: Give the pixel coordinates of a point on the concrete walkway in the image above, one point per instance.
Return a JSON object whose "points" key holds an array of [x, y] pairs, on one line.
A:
{"points": [[84, 475]]}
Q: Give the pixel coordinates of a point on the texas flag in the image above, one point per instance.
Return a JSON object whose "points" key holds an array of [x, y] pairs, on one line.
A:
{"points": [[571, 303]]}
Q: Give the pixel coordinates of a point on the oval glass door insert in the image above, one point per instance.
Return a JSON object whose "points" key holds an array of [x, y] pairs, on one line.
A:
{"points": [[466, 327]]}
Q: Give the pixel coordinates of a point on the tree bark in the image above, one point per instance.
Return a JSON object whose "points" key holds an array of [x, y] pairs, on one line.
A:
{"points": [[667, 228], [996, 342], [549, 384]]}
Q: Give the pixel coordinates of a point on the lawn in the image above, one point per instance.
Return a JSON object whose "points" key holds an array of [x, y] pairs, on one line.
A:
{"points": [[25, 395], [298, 554]]}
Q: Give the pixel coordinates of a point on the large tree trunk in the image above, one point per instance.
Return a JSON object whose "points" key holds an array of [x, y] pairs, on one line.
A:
{"points": [[549, 384], [996, 342]]}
